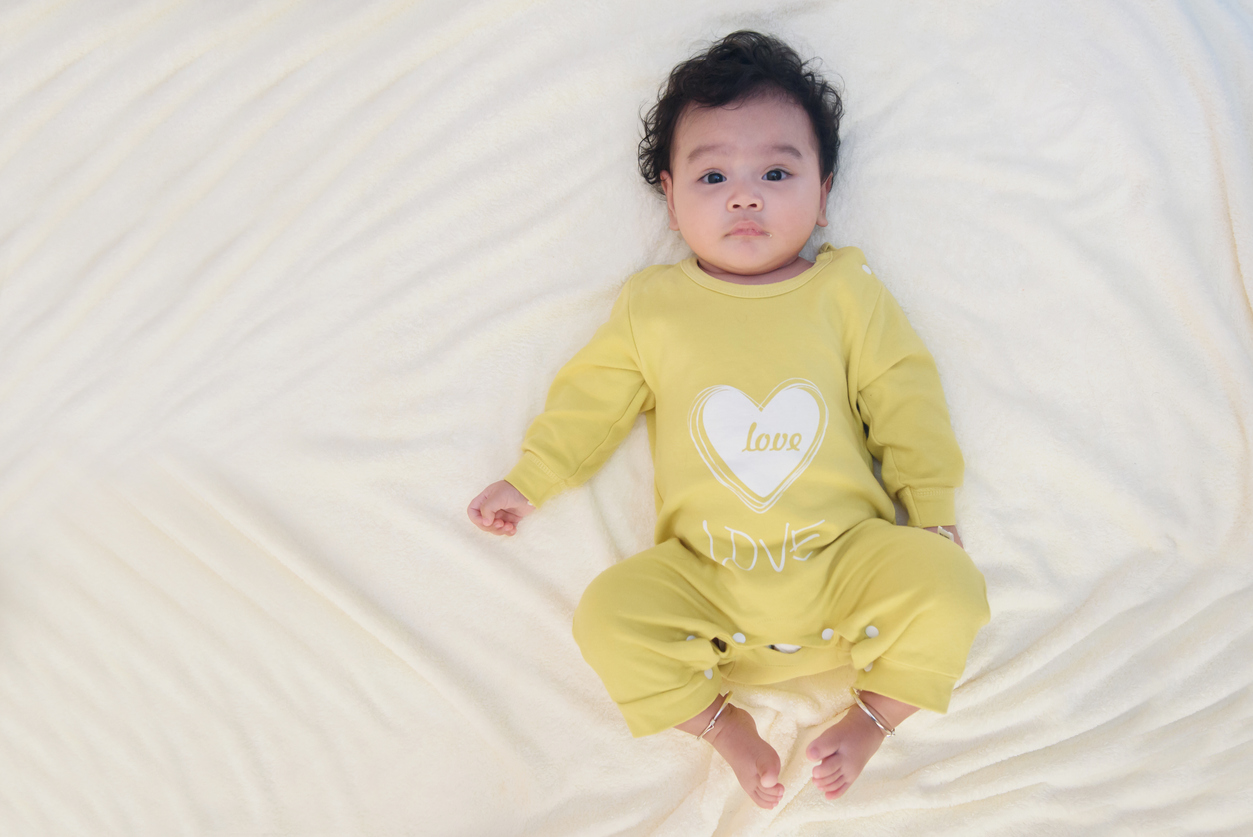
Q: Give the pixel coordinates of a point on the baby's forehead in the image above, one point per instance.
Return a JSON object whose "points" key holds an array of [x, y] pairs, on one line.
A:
{"points": [[764, 124]]}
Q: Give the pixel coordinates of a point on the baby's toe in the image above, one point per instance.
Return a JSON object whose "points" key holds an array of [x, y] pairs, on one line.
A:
{"points": [[827, 767], [769, 793], [762, 800], [837, 791], [826, 783], [818, 751]]}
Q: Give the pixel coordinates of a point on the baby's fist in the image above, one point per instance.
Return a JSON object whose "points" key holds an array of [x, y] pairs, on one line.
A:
{"points": [[499, 508]]}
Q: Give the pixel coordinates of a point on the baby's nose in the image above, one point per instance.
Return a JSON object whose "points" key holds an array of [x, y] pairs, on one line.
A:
{"points": [[744, 201]]}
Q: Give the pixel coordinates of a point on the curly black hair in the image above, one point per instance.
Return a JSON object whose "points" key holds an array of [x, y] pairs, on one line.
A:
{"points": [[739, 66]]}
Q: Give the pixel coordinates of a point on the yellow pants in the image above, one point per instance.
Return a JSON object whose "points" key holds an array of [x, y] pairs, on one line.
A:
{"points": [[663, 628]]}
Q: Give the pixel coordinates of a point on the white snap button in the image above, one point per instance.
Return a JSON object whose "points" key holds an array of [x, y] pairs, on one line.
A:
{"points": [[709, 674], [828, 633], [872, 631], [867, 668], [866, 268], [738, 637], [691, 636]]}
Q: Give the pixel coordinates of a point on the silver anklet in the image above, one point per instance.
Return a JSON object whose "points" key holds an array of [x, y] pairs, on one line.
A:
{"points": [[726, 702], [887, 731]]}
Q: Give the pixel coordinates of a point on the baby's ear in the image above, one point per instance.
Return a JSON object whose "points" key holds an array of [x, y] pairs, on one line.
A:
{"points": [[824, 193], [667, 186]]}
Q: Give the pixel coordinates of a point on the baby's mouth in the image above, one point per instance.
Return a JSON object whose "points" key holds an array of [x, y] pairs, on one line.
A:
{"points": [[747, 229]]}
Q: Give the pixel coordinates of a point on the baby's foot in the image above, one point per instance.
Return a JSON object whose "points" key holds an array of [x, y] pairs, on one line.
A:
{"points": [[755, 762], [842, 751]]}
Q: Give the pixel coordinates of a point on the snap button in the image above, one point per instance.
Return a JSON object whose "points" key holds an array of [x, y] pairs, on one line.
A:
{"points": [[867, 668], [828, 633], [872, 631], [739, 637], [866, 268], [709, 674], [691, 636], [784, 648]]}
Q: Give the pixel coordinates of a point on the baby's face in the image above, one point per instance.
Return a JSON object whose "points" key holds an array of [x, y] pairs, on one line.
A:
{"points": [[745, 186]]}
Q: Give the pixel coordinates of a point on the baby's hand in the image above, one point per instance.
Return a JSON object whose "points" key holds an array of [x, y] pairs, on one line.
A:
{"points": [[499, 508]]}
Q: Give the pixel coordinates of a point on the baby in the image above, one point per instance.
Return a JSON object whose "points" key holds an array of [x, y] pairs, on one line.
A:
{"points": [[768, 383]]}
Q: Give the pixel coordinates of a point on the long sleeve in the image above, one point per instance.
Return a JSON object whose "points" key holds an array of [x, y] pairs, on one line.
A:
{"points": [[591, 406], [900, 399]]}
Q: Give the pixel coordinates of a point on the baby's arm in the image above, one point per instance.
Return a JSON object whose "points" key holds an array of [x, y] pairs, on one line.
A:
{"points": [[498, 508], [591, 407], [901, 401]]}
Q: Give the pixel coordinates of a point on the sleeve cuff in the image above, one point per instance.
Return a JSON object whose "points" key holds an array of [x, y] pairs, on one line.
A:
{"points": [[534, 479], [915, 686], [928, 506]]}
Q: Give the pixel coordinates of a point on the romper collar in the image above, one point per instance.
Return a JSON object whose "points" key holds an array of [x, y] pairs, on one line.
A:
{"points": [[700, 277]]}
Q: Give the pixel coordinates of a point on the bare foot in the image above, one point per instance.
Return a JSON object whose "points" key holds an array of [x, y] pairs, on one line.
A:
{"points": [[842, 751], [756, 764]]}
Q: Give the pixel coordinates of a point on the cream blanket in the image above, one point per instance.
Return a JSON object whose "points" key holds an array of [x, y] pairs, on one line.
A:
{"points": [[282, 284]]}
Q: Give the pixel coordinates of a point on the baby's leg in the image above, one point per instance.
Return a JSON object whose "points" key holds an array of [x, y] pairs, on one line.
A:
{"points": [[734, 736], [646, 626], [843, 750], [911, 602]]}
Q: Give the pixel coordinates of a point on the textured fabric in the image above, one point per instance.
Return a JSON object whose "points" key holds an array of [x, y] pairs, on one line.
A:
{"points": [[663, 628]]}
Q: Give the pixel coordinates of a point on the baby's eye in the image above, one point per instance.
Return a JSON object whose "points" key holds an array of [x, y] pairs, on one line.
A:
{"points": [[775, 174], [712, 177]]}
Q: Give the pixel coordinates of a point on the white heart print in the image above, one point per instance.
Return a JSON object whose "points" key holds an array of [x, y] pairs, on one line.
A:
{"points": [[758, 450]]}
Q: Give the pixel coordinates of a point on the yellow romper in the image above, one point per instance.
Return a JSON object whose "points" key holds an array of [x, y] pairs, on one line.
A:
{"points": [[777, 551]]}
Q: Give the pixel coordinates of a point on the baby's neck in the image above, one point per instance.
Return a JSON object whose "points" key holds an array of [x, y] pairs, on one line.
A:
{"points": [[780, 274]]}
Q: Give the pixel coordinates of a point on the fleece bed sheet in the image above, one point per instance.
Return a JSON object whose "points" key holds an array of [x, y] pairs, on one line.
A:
{"points": [[282, 284]]}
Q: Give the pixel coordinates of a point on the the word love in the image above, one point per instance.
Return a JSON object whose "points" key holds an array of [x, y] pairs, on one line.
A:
{"points": [[790, 548], [782, 441]]}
